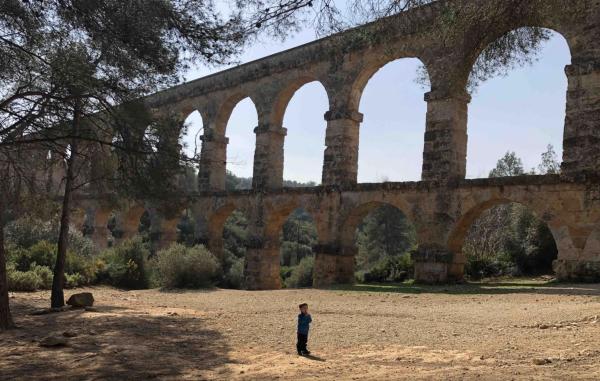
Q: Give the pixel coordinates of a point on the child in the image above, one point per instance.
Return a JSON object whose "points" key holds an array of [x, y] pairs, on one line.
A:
{"points": [[304, 321]]}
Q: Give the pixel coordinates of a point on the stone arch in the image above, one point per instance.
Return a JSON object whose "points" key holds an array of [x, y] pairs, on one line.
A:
{"points": [[284, 97], [299, 236], [402, 121], [373, 66], [225, 110], [349, 228], [354, 217], [305, 128], [543, 117], [217, 219], [193, 128], [223, 122], [456, 239], [215, 225]]}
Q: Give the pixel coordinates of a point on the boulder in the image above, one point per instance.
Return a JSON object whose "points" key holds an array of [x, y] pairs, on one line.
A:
{"points": [[54, 341], [81, 300]]}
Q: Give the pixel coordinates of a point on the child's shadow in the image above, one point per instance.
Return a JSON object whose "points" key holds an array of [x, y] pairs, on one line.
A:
{"points": [[315, 358]]}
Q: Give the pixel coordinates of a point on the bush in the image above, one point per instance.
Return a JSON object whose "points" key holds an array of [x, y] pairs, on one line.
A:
{"points": [[477, 268], [42, 253], [45, 274], [390, 269], [27, 232], [74, 280], [234, 278], [125, 265], [22, 280], [302, 275], [183, 267]]}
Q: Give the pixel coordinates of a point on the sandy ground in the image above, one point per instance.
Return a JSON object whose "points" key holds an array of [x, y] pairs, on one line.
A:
{"points": [[484, 332]]}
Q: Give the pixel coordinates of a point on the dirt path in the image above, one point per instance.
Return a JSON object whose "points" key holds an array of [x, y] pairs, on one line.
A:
{"points": [[453, 333]]}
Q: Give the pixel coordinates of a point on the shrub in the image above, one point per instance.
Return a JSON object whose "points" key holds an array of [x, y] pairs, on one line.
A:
{"points": [[302, 275], [390, 269], [234, 278], [186, 267], [285, 272], [125, 265], [22, 280], [477, 268], [27, 232], [42, 253], [45, 274], [74, 280], [86, 267]]}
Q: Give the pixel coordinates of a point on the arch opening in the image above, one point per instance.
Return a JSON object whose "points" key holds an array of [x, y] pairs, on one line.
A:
{"points": [[382, 239], [522, 110], [504, 238], [193, 128], [305, 141], [392, 102], [235, 239], [240, 131], [296, 255]]}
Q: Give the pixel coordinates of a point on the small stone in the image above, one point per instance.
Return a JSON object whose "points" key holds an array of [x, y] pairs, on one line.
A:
{"points": [[541, 361], [91, 309], [543, 326], [54, 341], [70, 334]]}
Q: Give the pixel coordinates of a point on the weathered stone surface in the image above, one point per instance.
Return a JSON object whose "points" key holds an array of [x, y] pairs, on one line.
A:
{"points": [[81, 300]]}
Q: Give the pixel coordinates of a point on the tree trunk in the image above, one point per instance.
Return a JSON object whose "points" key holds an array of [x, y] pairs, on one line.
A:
{"points": [[57, 298], [5, 316]]}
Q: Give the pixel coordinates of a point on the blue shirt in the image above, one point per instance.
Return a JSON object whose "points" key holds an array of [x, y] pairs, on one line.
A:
{"points": [[304, 323]]}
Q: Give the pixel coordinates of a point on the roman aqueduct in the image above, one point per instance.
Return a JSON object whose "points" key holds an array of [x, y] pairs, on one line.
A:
{"points": [[442, 205]]}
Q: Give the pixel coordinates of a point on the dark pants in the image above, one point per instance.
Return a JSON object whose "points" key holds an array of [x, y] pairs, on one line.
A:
{"points": [[301, 344]]}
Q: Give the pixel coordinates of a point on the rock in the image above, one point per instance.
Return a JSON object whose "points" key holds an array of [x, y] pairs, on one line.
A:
{"points": [[83, 299], [541, 361], [54, 341], [69, 334], [543, 326]]}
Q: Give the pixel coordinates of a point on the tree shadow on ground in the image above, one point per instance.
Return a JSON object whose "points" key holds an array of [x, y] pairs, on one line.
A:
{"points": [[113, 344], [474, 288]]}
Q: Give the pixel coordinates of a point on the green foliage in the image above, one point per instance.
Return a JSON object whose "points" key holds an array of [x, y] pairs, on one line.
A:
{"points": [[232, 182], [44, 273], [40, 258], [42, 253], [74, 280], [550, 164], [186, 230], [28, 231], [234, 277], [235, 235], [126, 265], [384, 240], [186, 267], [389, 269], [509, 239], [508, 165], [302, 275], [22, 280]]}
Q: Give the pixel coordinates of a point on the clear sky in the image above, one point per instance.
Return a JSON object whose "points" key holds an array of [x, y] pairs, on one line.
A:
{"points": [[522, 112]]}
